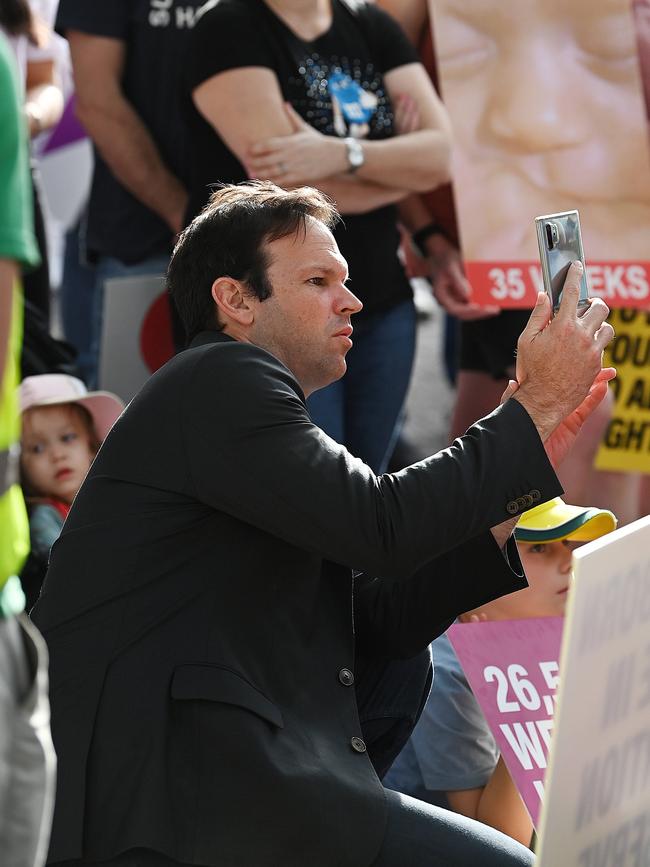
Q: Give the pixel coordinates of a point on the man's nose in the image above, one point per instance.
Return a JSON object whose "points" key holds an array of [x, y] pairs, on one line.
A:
{"points": [[348, 302], [532, 105]]}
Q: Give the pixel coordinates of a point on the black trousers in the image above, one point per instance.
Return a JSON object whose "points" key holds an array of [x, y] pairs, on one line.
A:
{"points": [[417, 835]]}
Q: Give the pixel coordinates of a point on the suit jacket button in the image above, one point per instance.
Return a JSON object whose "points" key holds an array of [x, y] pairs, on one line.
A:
{"points": [[512, 508], [358, 745], [535, 494], [346, 677]]}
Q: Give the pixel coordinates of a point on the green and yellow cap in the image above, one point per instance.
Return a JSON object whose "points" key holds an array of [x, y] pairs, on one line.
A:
{"points": [[556, 520]]}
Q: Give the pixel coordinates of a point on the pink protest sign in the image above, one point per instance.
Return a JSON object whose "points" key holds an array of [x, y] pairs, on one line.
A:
{"points": [[512, 668]]}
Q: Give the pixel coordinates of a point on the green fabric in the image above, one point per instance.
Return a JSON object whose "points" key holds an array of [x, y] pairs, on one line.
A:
{"points": [[555, 533], [17, 239], [17, 242]]}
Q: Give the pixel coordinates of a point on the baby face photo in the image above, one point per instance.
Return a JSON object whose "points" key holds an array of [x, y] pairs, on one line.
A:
{"points": [[547, 105]]}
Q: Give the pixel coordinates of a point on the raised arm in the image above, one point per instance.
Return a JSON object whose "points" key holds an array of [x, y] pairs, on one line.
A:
{"points": [[117, 130]]}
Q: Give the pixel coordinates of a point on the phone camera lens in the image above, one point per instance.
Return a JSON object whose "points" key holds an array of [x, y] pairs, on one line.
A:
{"points": [[551, 235]]}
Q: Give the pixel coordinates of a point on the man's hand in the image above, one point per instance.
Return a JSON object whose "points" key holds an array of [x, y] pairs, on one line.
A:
{"points": [[559, 364]]}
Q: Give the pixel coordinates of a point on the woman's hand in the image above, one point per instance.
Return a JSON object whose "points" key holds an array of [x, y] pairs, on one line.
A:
{"points": [[303, 157], [563, 437], [559, 444], [450, 285]]}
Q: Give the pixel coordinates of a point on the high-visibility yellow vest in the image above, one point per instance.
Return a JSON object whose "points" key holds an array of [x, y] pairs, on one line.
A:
{"points": [[14, 526]]}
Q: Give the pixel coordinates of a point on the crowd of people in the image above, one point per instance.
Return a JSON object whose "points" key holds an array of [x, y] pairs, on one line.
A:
{"points": [[213, 568]]}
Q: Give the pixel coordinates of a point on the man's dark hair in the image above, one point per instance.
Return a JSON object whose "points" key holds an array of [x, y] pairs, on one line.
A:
{"points": [[228, 239]]}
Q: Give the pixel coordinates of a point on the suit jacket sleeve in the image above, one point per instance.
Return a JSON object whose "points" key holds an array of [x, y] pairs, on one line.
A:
{"points": [[398, 619], [254, 452]]}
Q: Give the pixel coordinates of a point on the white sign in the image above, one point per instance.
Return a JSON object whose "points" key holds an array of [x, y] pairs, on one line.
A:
{"points": [[136, 336], [596, 810]]}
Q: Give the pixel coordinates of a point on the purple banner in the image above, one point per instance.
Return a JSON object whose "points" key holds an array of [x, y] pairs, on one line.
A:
{"points": [[67, 131]]}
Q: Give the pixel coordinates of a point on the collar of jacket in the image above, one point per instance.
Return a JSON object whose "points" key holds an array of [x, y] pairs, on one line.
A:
{"points": [[204, 337]]}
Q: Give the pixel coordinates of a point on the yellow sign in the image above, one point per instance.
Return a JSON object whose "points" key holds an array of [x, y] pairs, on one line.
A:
{"points": [[626, 446]]}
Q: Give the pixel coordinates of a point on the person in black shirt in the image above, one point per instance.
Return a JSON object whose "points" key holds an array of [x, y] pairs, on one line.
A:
{"points": [[304, 95], [127, 57]]}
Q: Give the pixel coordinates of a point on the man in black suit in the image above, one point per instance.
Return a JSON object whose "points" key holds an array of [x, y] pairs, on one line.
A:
{"points": [[201, 610]]}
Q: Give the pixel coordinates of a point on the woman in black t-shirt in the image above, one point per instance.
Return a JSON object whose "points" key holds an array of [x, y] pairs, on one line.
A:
{"points": [[305, 94]]}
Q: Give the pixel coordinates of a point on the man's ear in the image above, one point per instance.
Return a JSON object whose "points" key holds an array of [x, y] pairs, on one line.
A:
{"points": [[233, 301]]}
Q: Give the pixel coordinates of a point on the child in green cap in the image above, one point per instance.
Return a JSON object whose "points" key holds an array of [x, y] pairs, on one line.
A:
{"points": [[451, 759]]}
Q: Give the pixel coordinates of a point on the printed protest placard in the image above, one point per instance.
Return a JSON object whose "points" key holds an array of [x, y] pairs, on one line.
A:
{"points": [[596, 810], [136, 333], [548, 112], [512, 668], [626, 446]]}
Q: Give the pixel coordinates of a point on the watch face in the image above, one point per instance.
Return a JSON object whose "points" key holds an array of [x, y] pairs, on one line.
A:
{"points": [[355, 153]]}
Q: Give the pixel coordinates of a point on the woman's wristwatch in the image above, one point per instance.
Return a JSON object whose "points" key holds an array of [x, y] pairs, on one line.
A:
{"points": [[356, 156]]}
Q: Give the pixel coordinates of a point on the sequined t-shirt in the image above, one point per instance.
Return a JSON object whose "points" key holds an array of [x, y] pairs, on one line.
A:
{"points": [[336, 83]]}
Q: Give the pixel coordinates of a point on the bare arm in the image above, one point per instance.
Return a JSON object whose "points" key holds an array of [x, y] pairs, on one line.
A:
{"points": [[416, 161], [43, 96], [419, 160], [245, 106], [117, 130], [497, 804]]}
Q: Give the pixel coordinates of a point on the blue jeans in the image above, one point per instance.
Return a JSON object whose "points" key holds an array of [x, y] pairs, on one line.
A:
{"points": [[82, 299], [363, 408]]}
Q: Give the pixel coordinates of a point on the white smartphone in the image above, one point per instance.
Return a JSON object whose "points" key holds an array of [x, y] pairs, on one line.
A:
{"points": [[560, 244]]}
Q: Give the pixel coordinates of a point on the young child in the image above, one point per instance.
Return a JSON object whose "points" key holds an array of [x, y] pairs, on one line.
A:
{"points": [[451, 759], [63, 426]]}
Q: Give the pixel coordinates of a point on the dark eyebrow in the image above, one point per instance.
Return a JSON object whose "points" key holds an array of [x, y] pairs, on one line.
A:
{"points": [[324, 269]]}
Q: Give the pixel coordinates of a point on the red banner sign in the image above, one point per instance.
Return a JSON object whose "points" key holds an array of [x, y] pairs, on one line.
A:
{"points": [[516, 284]]}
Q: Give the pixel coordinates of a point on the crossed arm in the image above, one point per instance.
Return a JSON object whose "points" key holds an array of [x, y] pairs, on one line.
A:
{"points": [[246, 108]]}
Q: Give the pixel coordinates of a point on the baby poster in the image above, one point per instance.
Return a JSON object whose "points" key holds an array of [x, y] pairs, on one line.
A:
{"points": [[547, 104]]}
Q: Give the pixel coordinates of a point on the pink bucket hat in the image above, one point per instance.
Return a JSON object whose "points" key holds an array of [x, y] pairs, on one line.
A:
{"points": [[49, 389]]}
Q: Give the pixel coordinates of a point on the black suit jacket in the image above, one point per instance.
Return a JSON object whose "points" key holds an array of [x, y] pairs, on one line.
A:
{"points": [[199, 612]]}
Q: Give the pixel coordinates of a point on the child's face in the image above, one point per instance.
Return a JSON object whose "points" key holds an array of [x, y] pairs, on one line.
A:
{"points": [[548, 570], [56, 451]]}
